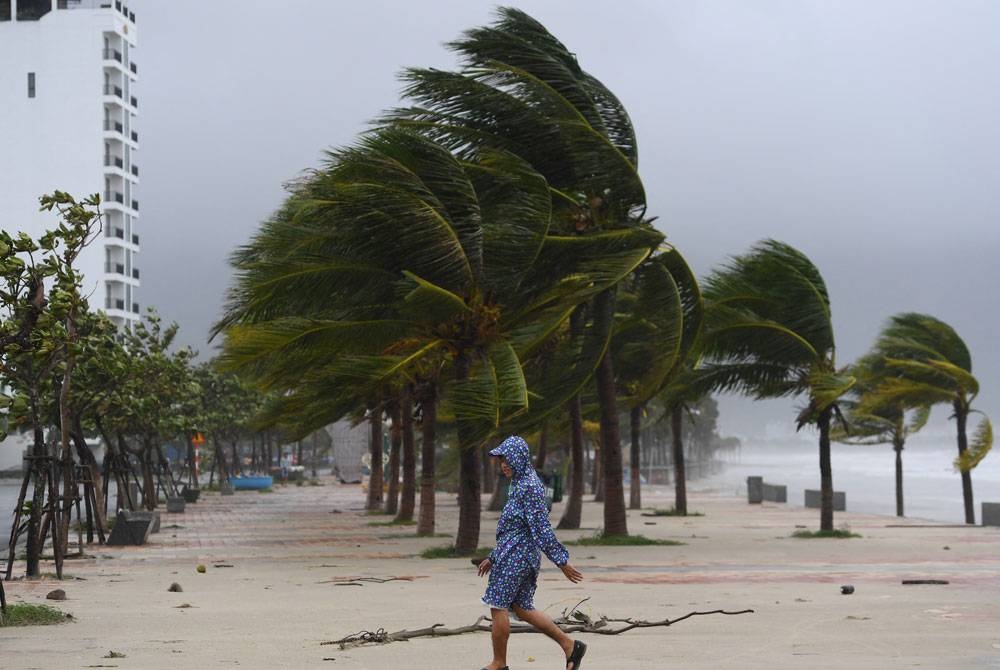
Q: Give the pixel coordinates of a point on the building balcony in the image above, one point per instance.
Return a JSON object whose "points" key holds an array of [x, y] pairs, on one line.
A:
{"points": [[115, 237], [96, 4], [114, 196], [115, 162], [113, 55], [111, 89], [114, 303], [114, 268], [114, 126]]}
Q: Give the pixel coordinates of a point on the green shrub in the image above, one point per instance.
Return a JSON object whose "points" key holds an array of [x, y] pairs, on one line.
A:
{"points": [[25, 614], [602, 540], [448, 551]]}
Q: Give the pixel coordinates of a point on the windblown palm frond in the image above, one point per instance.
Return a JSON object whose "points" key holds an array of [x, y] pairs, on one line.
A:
{"points": [[770, 307], [982, 443]]}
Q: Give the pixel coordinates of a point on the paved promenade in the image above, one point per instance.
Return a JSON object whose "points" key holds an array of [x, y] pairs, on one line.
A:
{"points": [[275, 565]]}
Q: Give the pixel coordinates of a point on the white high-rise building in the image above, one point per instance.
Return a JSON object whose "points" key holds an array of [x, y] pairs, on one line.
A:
{"points": [[68, 110]]}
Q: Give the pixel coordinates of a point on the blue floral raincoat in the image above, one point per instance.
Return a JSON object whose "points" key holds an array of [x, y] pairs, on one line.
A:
{"points": [[523, 532]]}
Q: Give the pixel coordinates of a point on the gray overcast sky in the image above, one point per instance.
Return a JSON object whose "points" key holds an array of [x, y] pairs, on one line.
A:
{"points": [[864, 133]]}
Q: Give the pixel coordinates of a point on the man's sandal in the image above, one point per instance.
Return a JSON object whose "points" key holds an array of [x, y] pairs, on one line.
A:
{"points": [[579, 649]]}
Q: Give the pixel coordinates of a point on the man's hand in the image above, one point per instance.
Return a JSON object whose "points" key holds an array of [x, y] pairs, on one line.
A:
{"points": [[485, 566], [572, 574]]}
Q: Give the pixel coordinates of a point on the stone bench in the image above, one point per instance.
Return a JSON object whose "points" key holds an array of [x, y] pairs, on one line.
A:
{"points": [[775, 493], [814, 499], [991, 514], [758, 491]]}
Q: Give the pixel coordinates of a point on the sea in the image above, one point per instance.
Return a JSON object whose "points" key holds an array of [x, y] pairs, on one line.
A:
{"points": [[932, 487]]}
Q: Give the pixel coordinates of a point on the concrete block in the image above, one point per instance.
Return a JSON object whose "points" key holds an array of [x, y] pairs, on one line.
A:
{"points": [[175, 505], [991, 514], [814, 499], [755, 490], [775, 493], [190, 494]]}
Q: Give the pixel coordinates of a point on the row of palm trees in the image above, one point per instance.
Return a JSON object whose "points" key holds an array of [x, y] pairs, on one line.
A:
{"points": [[483, 258]]}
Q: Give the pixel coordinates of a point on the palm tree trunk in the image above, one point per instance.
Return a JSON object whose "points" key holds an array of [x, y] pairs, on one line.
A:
{"points": [[395, 443], [489, 477], [469, 502], [407, 501], [897, 446], [428, 416], [825, 472], [961, 419], [680, 472], [543, 447], [635, 483], [375, 449], [574, 506], [597, 473], [615, 516]]}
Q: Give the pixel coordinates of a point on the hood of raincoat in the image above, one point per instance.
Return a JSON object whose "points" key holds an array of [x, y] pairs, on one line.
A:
{"points": [[515, 451]]}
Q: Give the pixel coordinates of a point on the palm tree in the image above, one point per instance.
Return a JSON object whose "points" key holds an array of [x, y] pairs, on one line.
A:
{"points": [[869, 420], [477, 283], [680, 388], [769, 334], [930, 365], [523, 91], [646, 345]]}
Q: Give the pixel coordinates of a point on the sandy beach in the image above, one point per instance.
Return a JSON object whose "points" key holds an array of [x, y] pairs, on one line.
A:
{"points": [[270, 596]]}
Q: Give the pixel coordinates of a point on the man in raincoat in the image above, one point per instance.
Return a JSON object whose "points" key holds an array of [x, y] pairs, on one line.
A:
{"points": [[523, 532]]}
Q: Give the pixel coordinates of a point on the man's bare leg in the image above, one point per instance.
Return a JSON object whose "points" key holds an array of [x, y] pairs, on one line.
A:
{"points": [[545, 624], [500, 631]]}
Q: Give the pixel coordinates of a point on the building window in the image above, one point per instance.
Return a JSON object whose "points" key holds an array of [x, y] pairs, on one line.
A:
{"points": [[4, 10], [31, 84], [32, 10]]}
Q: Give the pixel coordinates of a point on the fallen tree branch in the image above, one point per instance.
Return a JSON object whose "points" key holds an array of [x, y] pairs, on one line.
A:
{"points": [[572, 621], [353, 581]]}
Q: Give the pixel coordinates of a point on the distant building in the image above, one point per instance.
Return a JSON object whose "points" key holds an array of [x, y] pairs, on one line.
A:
{"points": [[68, 110]]}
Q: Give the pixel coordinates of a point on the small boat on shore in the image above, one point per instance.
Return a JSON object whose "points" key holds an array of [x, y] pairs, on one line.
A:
{"points": [[251, 483]]}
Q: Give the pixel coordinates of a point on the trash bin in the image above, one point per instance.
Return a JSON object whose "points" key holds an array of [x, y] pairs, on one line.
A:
{"points": [[546, 478], [557, 487]]}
